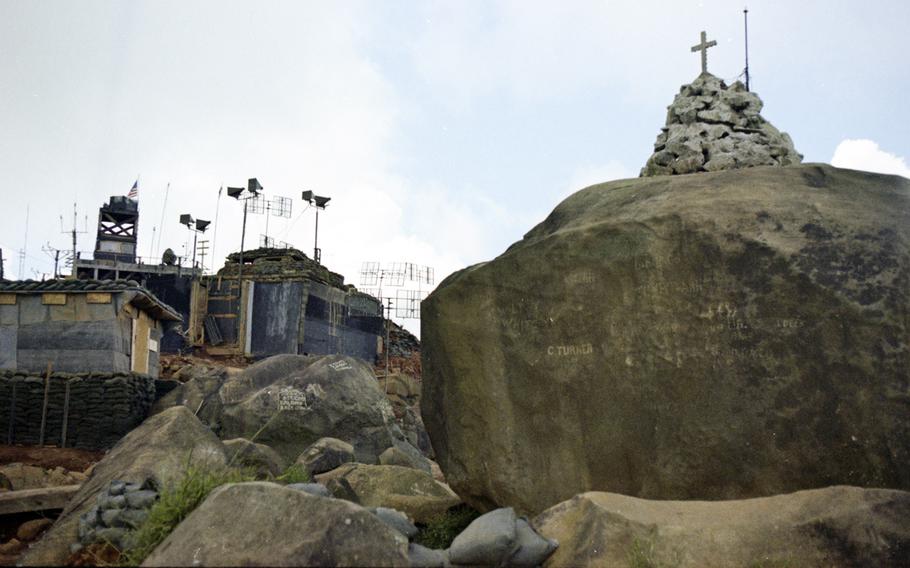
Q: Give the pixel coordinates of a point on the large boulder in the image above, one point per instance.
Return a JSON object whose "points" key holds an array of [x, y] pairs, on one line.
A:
{"points": [[159, 449], [288, 402], [408, 490], [712, 336], [835, 526], [265, 524]]}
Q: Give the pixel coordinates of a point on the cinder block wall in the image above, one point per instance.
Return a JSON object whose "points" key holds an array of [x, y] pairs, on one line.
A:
{"points": [[102, 407]]}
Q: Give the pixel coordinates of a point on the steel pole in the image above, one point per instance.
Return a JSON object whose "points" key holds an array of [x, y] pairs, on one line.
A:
{"points": [[316, 254]]}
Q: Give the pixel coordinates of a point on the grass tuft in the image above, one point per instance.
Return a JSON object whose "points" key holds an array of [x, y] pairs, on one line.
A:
{"points": [[174, 504], [442, 529], [294, 474]]}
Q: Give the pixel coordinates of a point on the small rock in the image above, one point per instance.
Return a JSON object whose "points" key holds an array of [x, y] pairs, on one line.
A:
{"points": [[398, 456], [488, 541], [395, 519], [30, 530], [12, 546], [117, 488], [325, 455]]}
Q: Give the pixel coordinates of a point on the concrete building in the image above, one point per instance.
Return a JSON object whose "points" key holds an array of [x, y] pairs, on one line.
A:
{"points": [[81, 326], [288, 303]]}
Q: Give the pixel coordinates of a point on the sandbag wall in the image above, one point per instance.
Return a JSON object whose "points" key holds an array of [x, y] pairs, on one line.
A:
{"points": [[101, 408]]}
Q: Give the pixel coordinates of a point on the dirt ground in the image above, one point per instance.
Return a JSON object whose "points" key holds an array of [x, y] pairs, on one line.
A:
{"points": [[50, 457]]}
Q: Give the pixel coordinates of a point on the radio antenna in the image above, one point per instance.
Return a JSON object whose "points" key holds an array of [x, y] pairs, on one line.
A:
{"points": [[746, 23]]}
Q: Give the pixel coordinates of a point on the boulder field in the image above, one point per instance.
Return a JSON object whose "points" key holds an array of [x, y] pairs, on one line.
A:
{"points": [[721, 335]]}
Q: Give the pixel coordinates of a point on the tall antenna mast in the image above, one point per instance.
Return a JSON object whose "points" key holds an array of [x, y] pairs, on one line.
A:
{"points": [[161, 224], [24, 251], [73, 232], [746, 22]]}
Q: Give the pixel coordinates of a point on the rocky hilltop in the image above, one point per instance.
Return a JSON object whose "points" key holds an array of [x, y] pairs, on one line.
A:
{"points": [[712, 127], [726, 335]]}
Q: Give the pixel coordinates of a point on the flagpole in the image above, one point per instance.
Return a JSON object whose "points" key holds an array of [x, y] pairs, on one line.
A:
{"points": [[163, 207], [215, 230]]}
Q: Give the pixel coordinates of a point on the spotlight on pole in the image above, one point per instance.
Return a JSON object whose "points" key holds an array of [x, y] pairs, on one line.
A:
{"points": [[319, 202]]}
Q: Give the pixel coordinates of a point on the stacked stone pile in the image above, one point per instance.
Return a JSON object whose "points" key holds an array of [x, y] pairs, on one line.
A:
{"points": [[119, 509], [102, 408], [713, 127]]}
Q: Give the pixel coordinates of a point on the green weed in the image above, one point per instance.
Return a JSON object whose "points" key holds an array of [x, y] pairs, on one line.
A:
{"points": [[294, 474], [175, 502], [442, 529]]}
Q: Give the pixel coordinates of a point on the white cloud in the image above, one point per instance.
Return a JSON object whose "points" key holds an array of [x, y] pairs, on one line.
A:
{"points": [[866, 155]]}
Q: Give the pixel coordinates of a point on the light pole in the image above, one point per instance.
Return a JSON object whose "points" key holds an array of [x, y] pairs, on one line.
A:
{"points": [[253, 187], [197, 226], [319, 202]]}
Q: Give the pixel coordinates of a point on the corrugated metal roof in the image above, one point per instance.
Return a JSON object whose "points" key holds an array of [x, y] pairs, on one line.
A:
{"points": [[150, 302]]}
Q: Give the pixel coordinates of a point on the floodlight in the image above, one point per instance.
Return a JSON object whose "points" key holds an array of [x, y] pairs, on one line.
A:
{"points": [[186, 219], [201, 225], [235, 192], [253, 185], [308, 196], [321, 201]]}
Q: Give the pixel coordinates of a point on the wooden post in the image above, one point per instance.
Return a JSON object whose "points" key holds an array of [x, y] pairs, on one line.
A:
{"points": [[47, 388], [66, 414]]}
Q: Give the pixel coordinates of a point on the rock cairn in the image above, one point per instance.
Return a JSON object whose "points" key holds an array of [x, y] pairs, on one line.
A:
{"points": [[102, 408], [712, 127], [121, 508]]}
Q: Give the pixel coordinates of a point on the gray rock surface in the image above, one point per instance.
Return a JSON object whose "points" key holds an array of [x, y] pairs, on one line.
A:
{"points": [[728, 335], [299, 399], [835, 526], [405, 455], [395, 519], [266, 524], [405, 489], [424, 557], [531, 548], [325, 454], [488, 541], [315, 489], [712, 127], [263, 459], [158, 449]]}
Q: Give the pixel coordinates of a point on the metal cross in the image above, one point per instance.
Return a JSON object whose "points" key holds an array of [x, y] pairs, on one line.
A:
{"points": [[703, 47]]}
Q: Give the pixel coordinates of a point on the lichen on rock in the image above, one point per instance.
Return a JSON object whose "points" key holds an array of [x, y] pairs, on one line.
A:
{"points": [[712, 127]]}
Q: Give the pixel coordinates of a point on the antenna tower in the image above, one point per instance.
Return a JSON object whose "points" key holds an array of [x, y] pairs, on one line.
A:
{"points": [[746, 22], [405, 301], [70, 259], [278, 206], [24, 249]]}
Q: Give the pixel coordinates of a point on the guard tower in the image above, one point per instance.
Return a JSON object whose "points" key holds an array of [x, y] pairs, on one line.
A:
{"points": [[118, 222]]}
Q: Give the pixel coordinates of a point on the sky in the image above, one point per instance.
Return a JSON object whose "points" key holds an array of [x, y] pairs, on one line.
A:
{"points": [[442, 131]]}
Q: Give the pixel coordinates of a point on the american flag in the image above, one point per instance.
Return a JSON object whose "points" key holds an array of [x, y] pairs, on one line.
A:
{"points": [[134, 191]]}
